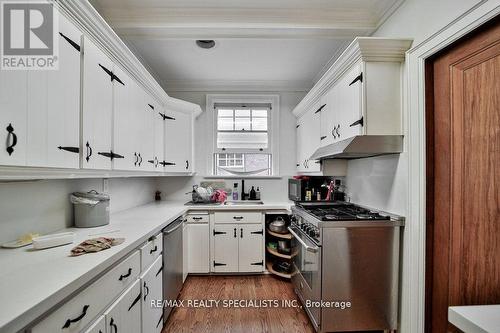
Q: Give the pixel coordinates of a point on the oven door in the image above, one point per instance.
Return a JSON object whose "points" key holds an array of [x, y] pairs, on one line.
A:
{"points": [[306, 279]]}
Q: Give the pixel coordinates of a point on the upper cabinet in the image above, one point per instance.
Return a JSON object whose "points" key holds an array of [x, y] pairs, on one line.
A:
{"points": [[308, 140], [359, 96], [178, 155], [100, 110]]}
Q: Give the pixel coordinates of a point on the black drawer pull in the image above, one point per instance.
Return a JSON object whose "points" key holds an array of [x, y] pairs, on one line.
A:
{"points": [[241, 232], [113, 325], [89, 151], [187, 165], [10, 148], [260, 263], [235, 233], [126, 275], [146, 290], [77, 319], [75, 150], [218, 264], [197, 218], [219, 232], [137, 299], [238, 218], [260, 232], [136, 159], [140, 159], [153, 250]]}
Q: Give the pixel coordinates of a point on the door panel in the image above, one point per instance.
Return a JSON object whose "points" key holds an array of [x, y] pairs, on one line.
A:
{"points": [[251, 248], [198, 248], [225, 257], [124, 315], [349, 96], [151, 284], [97, 107], [463, 182]]}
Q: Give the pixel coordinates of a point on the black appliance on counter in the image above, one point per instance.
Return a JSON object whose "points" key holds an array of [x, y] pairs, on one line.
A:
{"points": [[299, 185]]}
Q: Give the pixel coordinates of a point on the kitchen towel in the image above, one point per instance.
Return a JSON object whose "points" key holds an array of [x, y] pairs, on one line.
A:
{"points": [[95, 245]]}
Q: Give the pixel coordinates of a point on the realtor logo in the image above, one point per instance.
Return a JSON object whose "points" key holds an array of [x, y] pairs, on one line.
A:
{"points": [[29, 40]]}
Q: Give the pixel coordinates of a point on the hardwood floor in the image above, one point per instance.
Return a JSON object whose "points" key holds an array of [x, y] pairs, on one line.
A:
{"points": [[245, 320]]}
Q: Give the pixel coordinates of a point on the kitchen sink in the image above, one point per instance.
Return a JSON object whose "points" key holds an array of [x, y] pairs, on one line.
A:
{"points": [[241, 202]]}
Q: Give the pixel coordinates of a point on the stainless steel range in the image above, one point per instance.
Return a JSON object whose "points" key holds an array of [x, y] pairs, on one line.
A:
{"points": [[347, 265]]}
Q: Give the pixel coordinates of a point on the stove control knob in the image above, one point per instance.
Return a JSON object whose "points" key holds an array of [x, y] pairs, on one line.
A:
{"points": [[311, 232]]}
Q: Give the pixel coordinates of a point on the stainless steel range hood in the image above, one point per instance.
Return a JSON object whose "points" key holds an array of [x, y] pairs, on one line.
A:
{"points": [[361, 146]]}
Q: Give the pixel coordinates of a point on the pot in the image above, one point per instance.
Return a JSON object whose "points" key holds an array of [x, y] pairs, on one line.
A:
{"points": [[278, 226], [284, 247]]}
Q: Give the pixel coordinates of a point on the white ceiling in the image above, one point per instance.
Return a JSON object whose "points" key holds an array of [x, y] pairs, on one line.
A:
{"points": [[261, 44]]}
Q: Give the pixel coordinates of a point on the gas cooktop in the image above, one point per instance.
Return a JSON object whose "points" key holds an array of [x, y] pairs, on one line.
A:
{"points": [[340, 211]]}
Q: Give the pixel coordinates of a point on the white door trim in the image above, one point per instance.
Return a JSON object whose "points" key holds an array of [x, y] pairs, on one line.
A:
{"points": [[413, 280]]}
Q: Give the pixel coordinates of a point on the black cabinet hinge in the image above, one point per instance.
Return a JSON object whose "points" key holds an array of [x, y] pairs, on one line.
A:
{"points": [[151, 106], [75, 150], [70, 41], [137, 299], [260, 263], [218, 264], [110, 155], [260, 232], [165, 117], [297, 126], [219, 232], [323, 138], [320, 108], [356, 79], [357, 122]]}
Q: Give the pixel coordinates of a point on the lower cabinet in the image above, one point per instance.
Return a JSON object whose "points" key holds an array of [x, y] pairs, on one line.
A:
{"points": [[124, 315], [198, 248], [238, 248], [151, 284]]}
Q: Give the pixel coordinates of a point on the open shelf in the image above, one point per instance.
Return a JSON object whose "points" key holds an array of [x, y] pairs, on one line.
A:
{"points": [[277, 235], [277, 254], [269, 266]]}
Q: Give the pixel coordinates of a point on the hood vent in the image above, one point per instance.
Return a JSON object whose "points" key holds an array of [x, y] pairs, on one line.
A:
{"points": [[361, 146]]}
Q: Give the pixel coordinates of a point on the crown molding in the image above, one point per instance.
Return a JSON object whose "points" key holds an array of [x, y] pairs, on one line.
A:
{"points": [[238, 85], [376, 49], [95, 27]]}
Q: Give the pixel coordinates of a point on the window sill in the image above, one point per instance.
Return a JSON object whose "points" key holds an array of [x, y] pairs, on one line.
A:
{"points": [[242, 177]]}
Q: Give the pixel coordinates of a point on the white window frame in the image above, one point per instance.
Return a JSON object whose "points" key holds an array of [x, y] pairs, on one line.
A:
{"points": [[273, 128]]}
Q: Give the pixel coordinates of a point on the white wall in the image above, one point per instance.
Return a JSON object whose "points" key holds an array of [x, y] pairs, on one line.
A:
{"points": [[381, 182], [44, 207], [272, 189]]}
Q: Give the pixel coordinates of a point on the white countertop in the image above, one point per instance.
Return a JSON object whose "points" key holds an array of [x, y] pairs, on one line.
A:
{"points": [[32, 282], [475, 318]]}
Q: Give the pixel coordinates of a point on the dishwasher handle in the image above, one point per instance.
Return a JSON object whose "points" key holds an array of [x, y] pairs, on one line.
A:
{"points": [[176, 225]]}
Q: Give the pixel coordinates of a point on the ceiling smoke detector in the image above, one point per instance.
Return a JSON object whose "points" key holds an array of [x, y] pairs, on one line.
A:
{"points": [[205, 43]]}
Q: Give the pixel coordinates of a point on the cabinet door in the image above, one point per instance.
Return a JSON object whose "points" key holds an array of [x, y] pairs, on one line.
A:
{"points": [[312, 139], [301, 165], [251, 248], [124, 315], [199, 248], [125, 131], [147, 135], [350, 104], [178, 142], [97, 108], [151, 284], [225, 257], [53, 120], [99, 326], [159, 138], [13, 111]]}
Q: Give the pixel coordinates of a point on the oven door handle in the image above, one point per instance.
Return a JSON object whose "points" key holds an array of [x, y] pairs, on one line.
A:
{"points": [[313, 249]]}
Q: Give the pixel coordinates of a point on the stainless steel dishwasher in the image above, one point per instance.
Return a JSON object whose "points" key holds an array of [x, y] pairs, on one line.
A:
{"points": [[172, 263]]}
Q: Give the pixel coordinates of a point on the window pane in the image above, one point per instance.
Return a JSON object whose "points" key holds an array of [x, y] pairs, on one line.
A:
{"points": [[242, 124], [225, 113], [259, 124], [242, 113], [259, 113], [250, 164], [225, 124], [248, 140]]}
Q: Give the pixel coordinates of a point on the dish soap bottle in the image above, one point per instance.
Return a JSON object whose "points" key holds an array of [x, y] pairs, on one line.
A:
{"points": [[257, 193], [235, 191], [253, 194]]}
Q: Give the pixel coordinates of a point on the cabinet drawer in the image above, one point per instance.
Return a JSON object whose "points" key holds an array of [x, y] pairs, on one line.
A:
{"points": [[150, 251], [197, 218], [78, 312], [238, 217]]}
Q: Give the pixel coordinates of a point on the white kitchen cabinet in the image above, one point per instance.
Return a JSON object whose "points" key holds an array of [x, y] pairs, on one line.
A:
{"points": [[238, 247], [225, 248], [53, 120], [99, 326], [178, 155], [251, 248], [308, 140], [124, 315], [151, 284], [152, 134], [97, 103], [14, 108], [198, 247], [126, 121]]}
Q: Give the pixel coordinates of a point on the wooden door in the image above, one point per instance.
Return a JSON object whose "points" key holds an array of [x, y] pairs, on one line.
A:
{"points": [[463, 176]]}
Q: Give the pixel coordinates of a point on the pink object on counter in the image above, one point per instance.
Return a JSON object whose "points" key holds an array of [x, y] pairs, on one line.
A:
{"points": [[219, 196], [330, 190]]}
